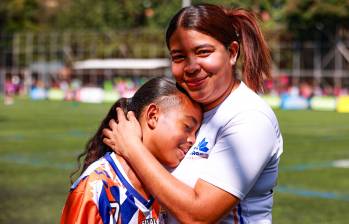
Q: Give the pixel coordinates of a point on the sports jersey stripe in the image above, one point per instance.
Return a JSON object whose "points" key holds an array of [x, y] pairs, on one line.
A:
{"points": [[240, 215], [156, 210], [116, 193], [104, 206], [141, 217], [235, 216], [139, 197], [128, 209], [75, 184]]}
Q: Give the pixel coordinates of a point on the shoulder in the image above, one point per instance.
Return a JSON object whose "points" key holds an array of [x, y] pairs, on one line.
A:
{"points": [[245, 113], [241, 105], [95, 174]]}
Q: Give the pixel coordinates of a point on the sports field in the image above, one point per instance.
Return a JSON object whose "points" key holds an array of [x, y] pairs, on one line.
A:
{"points": [[39, 141]]}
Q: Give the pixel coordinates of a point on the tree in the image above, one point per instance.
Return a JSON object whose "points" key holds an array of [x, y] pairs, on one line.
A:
{"points": [[310, 18], [17, 15]]}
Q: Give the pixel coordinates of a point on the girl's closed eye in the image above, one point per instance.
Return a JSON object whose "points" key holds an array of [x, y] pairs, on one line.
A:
{"points": [[188, 128]]}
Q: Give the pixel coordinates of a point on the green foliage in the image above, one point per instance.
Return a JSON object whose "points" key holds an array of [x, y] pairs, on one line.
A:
{"points": [[115, 15], [135, 28], [304, 19], [19, 15], [100, 15], [307, 17], [163, 10]]}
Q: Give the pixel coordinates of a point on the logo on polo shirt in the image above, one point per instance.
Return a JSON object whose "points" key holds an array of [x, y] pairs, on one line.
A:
{"points": [[201, 149]]}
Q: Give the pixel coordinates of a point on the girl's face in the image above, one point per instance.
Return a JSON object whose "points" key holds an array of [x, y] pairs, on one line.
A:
{"points": [[175, 131], [202, 66]]}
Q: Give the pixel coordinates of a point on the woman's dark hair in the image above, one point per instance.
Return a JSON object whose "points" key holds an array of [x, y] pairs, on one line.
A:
{"points": [[156, 90], [227, 25]]}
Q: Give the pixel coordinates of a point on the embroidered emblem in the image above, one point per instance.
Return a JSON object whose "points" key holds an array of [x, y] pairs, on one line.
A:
{"points": [[202, 145], [201, 149]]}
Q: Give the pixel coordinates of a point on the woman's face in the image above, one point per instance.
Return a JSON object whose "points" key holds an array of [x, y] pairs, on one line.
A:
{"points": [[175, 131], [202, 66]]}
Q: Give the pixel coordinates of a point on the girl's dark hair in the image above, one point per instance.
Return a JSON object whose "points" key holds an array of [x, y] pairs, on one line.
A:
{"points": [[227, 25], [155, 90]]}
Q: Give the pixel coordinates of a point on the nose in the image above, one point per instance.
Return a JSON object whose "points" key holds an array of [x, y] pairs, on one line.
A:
{"points": [[191, 139], [191, 66]]}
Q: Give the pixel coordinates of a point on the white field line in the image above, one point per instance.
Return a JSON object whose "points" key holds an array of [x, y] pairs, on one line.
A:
{"points": [[341, 163]]}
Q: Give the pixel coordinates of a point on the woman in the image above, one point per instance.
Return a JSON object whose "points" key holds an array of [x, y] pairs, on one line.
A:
{"points": [[230, 171], [108, 191]]}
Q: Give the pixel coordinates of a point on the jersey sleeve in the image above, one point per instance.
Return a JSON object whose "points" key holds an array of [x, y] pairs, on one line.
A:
{"points": [[88, 203], [242, 149], [79, 208]]}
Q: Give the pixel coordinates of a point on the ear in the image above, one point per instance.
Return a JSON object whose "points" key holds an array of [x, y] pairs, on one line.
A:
{"points": [[152, 115], [234, 52]]}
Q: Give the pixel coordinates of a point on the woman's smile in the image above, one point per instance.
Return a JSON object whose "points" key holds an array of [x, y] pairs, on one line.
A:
{"points": [[195, 83]]}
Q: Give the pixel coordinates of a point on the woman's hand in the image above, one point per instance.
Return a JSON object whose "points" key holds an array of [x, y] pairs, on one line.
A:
{"points": [[124, 134]]}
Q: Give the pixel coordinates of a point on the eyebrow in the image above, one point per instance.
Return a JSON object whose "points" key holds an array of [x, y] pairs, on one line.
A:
{"points": [[175, 51], [203, 46], [196, 48]]}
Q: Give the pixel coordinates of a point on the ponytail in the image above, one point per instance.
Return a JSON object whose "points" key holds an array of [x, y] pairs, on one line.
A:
{"points": [[256, 55]]}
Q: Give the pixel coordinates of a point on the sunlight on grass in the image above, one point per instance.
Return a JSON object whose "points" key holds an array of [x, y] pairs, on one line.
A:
{"points": [[39, 142]]}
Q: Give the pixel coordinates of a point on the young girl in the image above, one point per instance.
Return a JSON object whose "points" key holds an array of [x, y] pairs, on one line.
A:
{"points": [[230, 172], [108, 191]]}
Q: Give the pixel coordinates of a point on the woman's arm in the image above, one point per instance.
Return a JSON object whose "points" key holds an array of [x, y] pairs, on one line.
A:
{"points": [[203, 204]]}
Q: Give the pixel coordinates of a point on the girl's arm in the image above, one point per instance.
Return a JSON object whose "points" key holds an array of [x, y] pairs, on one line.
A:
{"points": [[203, 204]]}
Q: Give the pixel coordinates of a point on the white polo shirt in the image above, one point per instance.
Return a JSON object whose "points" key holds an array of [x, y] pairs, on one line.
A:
{"points": [[237, 149]]}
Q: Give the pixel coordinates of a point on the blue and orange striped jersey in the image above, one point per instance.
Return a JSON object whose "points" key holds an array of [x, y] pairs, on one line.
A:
{"points": [[104, 194]]}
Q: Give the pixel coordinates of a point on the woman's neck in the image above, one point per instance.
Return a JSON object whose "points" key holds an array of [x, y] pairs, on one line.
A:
{"points": [[232, 86], [136, 182]]}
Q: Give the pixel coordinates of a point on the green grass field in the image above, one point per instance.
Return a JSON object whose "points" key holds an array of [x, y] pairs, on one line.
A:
{"points": [[39, 142]]}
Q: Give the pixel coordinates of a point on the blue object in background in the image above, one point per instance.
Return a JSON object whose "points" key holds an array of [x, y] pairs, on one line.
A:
{"points": [[293, 102], [38, 94]]}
